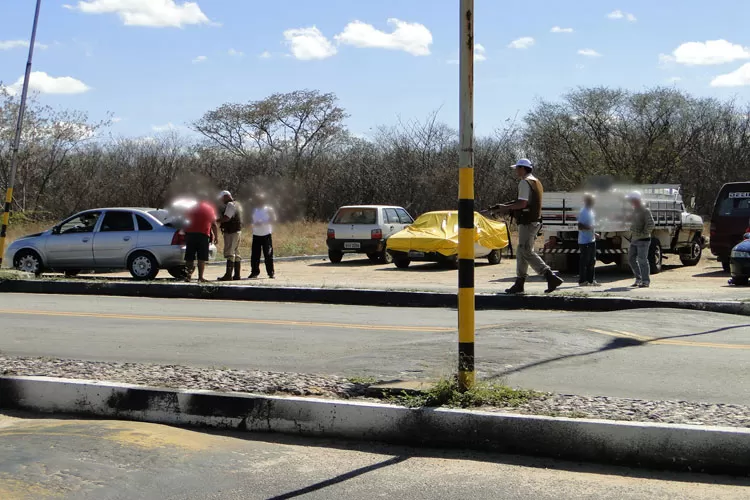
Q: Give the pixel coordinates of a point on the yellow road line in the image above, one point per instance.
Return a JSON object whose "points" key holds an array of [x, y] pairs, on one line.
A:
{"points": [[658, 341], [248, 321]]}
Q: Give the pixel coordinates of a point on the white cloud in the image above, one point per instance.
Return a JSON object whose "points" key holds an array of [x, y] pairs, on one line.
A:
{"points": [[151, 13], [522, 43], [265, 55], [17, 44], [666, 59], [674, 79], [480, 53], [413, 38], [168, 127], [116, 119], [707, 53], [589, 53], [200, 59], [558, 29], [235, 53], [580, 66], [618, 14], [737, 78], [309, 43], [44, 84]]}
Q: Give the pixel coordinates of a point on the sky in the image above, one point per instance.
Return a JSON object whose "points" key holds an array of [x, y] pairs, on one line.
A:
{"points": [[156, 65]]}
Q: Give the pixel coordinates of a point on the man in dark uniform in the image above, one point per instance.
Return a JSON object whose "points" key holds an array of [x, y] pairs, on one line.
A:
{"points": [[528, 213], [230, 222]]}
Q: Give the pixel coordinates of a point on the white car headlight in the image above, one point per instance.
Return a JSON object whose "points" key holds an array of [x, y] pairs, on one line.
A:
{"points": [[739, 254]]}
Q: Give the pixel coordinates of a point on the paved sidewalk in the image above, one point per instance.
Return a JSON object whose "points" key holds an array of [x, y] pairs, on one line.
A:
{"points": [[706, 281]]}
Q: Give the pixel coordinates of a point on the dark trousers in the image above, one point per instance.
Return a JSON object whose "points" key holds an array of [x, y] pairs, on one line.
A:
{"points": [[588, 263], [264, 243]]}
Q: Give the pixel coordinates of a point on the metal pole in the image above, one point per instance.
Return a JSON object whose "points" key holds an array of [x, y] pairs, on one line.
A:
{"points": [[17, 138], [466, 373]]}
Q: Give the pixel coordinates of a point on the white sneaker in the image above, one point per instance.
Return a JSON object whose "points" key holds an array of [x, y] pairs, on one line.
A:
{"points": [[595, 283]]}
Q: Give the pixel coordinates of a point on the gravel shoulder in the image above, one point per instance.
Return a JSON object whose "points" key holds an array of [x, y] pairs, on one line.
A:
{"points": [[706, 281], [325, 386]]}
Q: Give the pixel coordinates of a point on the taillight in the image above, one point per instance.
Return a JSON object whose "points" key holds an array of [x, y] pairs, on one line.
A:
{"points": [[331, 234], [713, 229], [178, 238], [377, 234]]}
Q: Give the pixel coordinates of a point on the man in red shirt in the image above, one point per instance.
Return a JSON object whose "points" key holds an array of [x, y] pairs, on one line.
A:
{"points": [[199, 234]]}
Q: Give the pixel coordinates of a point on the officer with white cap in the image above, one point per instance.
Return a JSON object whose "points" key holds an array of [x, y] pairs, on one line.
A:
{"points": [[640, 240], [528, 213], [230, 221]]}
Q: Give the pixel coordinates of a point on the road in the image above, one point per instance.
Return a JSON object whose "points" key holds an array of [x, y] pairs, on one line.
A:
{"points": [[645, 354], [104, 460]]}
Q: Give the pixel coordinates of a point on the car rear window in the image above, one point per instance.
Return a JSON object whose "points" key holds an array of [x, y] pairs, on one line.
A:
{"points": [[736, 204], [143, 224], [356, 216]]}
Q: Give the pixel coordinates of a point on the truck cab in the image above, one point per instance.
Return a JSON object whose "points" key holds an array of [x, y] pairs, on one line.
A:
{"points": [[729, 220]]}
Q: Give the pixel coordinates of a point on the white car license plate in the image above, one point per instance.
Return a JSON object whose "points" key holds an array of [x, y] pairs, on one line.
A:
{"points": [[352, 246], [416, 254]]}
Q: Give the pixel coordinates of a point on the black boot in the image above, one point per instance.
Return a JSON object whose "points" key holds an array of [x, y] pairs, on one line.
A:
{"points": [[517, 287], [553, 281], [237, 269], [228, 275]]}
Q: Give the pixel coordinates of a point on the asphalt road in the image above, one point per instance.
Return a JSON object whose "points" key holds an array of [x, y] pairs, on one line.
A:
{"points": [[646, 354], [105, 460]]}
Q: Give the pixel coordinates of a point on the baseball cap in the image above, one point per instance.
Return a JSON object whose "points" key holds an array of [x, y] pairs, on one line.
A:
{"points": [[224, 193], [523, 162], [634, 195]]}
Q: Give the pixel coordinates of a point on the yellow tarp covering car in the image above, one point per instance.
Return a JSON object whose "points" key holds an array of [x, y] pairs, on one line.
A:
{"points": [[438, 232]]}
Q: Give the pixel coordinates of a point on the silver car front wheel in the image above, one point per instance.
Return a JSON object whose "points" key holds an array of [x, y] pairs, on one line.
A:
{"points": [[28, 261]]}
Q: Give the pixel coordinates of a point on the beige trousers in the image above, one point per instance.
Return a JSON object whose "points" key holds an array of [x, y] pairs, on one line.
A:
{"points": [[525, 254], [232, 246]]}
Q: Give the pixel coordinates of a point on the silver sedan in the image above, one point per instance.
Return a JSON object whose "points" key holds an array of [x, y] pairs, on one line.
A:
{"points": [[141, 240]]}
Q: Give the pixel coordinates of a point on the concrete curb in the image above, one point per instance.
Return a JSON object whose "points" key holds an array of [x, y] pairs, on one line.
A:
{"points": [[360, 297], [710, 449]]}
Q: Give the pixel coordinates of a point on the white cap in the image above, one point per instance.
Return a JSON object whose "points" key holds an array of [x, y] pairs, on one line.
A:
{"points": [[523, 162], [223, 194], [634, 195]]}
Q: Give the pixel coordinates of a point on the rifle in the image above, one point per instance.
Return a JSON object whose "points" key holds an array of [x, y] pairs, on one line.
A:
{"points": [[508, 222]]}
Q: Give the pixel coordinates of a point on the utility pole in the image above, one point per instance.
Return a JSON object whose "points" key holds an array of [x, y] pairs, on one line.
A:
{"points": [[17, 138], [466, 371]]}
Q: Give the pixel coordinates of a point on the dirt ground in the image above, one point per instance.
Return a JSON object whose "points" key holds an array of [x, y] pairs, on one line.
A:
{"points": [[705, 281]]}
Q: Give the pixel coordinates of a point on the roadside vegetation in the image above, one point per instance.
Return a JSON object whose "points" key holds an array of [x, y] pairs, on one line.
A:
{"points": [[445, 392], [297, 149]]}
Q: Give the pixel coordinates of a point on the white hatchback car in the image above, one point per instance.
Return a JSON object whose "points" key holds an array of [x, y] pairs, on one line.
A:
{"points": [[365, 229]]}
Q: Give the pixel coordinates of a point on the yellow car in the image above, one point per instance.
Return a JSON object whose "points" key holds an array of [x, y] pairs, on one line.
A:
{"points": [[434, 238]]}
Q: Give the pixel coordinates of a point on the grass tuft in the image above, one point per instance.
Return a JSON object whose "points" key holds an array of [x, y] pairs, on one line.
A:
{"points": [[446, 393]]}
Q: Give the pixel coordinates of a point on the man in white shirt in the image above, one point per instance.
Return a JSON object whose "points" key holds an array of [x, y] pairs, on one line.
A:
{"points": [[264, 216]]}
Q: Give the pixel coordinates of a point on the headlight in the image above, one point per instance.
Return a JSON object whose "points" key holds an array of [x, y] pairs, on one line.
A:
{"points": [[738, 254]]}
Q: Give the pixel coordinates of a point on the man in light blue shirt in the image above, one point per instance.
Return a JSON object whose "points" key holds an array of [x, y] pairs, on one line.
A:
{"points": [[587, 241]]}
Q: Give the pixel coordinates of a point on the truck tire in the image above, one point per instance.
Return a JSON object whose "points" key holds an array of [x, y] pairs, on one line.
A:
{"points": [[655, 257], [725, 264], [692, 257]]}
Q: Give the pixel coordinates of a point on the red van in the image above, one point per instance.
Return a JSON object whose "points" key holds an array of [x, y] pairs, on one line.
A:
{"points": [[730, 219]]}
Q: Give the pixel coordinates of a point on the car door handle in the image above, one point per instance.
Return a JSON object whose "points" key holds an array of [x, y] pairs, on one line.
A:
{"points": [[85, 240], [126, 238]]}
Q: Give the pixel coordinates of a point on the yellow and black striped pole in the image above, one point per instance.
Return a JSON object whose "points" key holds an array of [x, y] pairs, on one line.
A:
{"points": [[466, 372], [17, 138]]}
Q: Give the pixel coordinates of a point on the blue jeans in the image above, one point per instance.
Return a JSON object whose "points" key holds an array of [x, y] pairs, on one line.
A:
{"points": [[638, 257], [587, 263]]}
